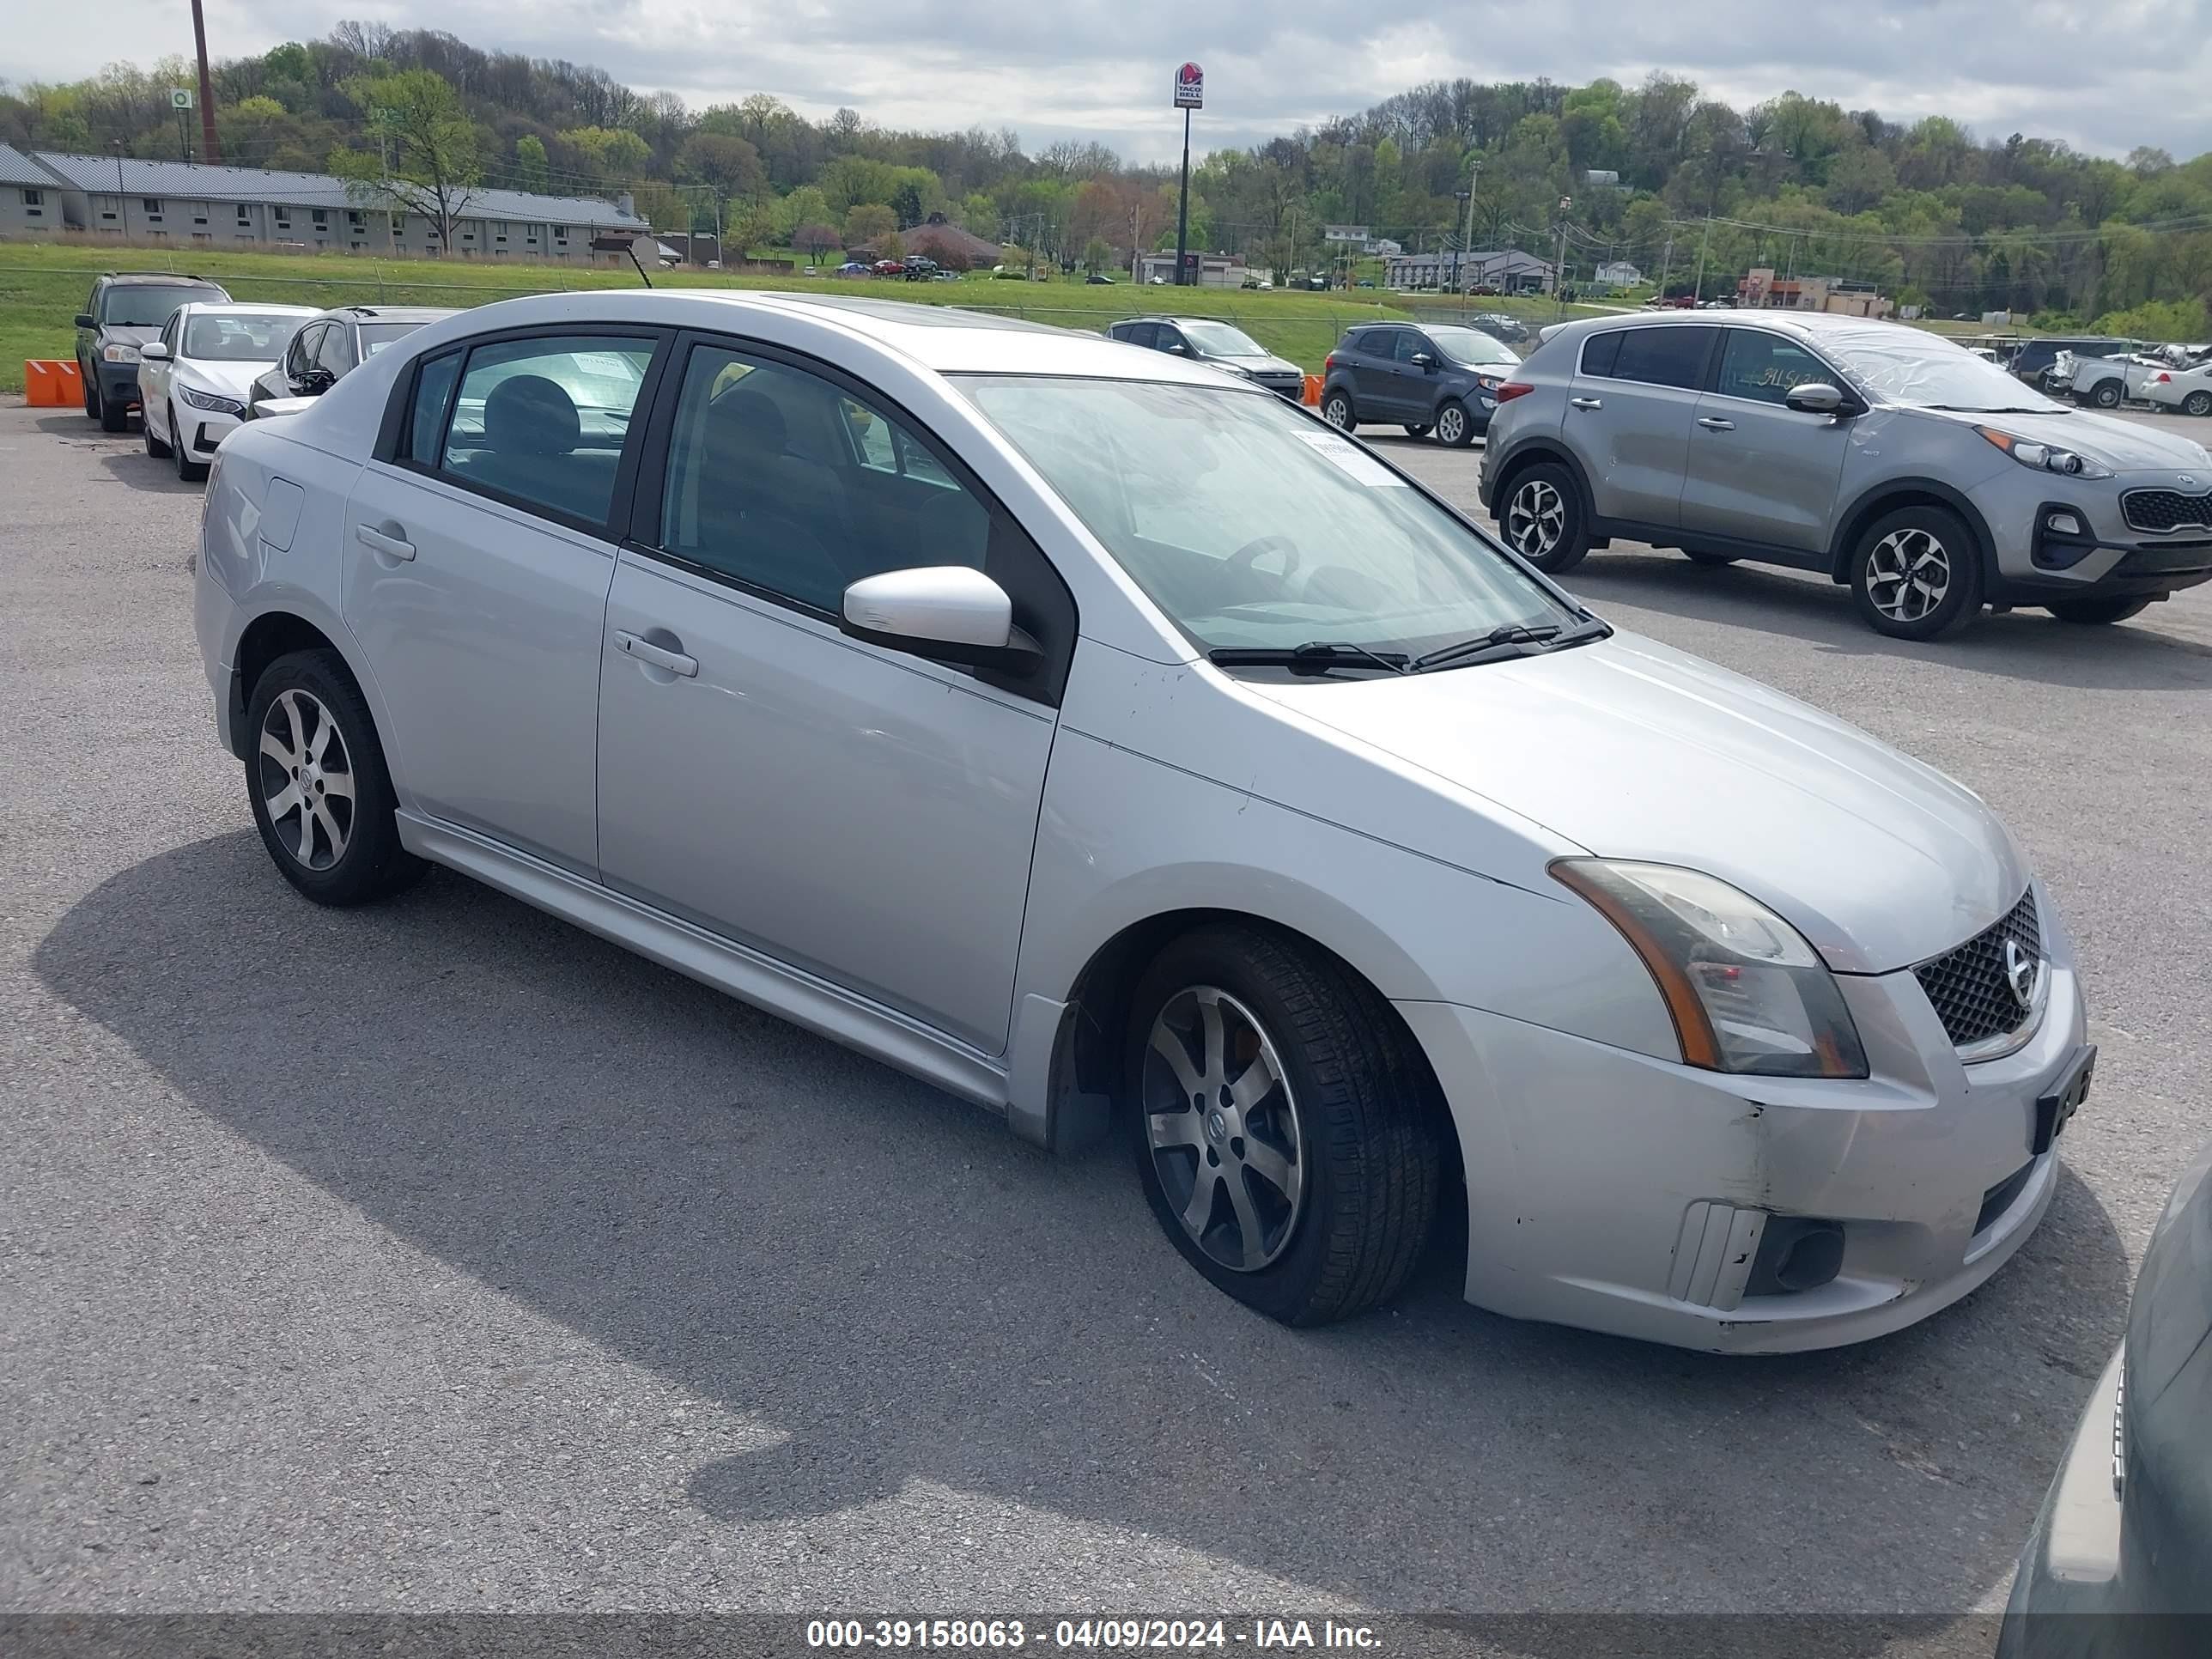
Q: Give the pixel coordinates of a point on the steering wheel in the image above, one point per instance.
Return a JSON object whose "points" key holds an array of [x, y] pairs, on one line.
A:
{"points": [[1244, 557]]}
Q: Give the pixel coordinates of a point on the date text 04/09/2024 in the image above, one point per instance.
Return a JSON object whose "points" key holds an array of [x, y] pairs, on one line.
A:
{"points": [[1112, 1635]]}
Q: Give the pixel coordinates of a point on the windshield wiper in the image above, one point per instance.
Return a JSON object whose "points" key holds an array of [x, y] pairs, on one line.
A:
{"points": [[1511, 639], [1314, 657]]}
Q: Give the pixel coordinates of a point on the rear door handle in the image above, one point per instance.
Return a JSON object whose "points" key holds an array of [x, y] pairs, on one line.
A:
{"points": [[1585, 403], [390, 546], [1714, 423], [660, 656]]}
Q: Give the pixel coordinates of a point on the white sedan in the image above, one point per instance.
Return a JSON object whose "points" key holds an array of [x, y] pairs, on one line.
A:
{"points": [[193, 381], [1105, 740], [2188, 390]]}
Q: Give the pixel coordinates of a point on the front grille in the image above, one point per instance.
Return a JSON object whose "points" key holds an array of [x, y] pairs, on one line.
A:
{"points": [[2158, 511], [1968, 986]]}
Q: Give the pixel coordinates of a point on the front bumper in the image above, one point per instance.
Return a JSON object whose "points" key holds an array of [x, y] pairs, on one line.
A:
{"points": [[1619, 1192], [2069, 1580], [118, 384], [204, 429], [2106, 558]]}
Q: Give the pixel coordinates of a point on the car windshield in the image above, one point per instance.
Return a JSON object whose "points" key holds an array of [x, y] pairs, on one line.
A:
{"points": [[1220, 340], [239, 337], [133, 305], [375, 337], [1472, 347], [1906, 366], [1253, 525]]}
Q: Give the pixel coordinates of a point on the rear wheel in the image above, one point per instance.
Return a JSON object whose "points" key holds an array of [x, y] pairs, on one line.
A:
{"points": [[1336, 409], [1543, 517], [1454, 429], [2198, 404], [2096, 613], [189, 470], [1284, 1127], [1917, 574], [1696, 555], [315, 773], [2105, 394]]}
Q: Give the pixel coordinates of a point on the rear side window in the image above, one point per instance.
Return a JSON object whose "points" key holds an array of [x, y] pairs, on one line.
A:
{"points": [[1137, 334], [434, 388], [1601, 352], [1377, 341], [544, 421], [1664, 356]]}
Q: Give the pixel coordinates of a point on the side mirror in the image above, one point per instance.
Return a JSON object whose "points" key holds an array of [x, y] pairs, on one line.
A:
{"points": [[1178, 348], [84, 320], [1815, 398], [1422, 361], [947, 613], [153, 352], [317, 381]]}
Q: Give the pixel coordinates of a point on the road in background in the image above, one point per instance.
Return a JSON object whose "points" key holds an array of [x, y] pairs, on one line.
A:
{"points": [[440, 1256]]}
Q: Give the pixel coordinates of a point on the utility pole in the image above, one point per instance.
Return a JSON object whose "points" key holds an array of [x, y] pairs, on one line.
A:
{"points": [[1190, 94], [207, 93], [1467, 244], [1666, 262], [1559, 257], [122, 202], [1704, 242]]}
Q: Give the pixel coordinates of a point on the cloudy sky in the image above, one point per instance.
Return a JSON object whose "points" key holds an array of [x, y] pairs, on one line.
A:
{"points": [[2104, 75]]}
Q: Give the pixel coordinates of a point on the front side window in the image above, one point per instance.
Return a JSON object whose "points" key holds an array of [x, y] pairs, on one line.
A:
{"points": [[791, 484], [238, 337], [303, 351], [334, 352], [1410, 345], [1764, 367], [1250, 525], [544, 421]]}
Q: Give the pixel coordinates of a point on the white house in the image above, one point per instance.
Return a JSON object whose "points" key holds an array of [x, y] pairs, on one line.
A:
{"points": [[1618, 273]]}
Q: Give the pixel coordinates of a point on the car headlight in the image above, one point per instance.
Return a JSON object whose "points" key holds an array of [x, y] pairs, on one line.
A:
{"points": [[1747, 992], [120, 353], [208, 400], [2045, 457]]}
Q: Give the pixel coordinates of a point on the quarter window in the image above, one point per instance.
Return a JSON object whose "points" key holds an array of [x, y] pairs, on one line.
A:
{"points": [[1601, 352], [790, 484], [1665, 356], [544, 421], [1764, 367]]}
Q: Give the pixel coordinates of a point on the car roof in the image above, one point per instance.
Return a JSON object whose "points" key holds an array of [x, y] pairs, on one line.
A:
{"points": [[392, 314], [259, 308], [158, 279]]}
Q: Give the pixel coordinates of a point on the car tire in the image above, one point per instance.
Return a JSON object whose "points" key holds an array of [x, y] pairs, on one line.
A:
{"points": [[2198, 404], [1899, 592], [113, 416], [188, 470], [2105, 394], [1454, 430], [1342, 1140], [2099, 613], [89, 384], [338, 844], [1413, 431], [1336, 409], [155, 446], [1711, 560], [1541, 518]]}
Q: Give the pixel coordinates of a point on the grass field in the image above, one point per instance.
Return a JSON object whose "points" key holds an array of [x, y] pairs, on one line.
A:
{"points": [[42, 285]]}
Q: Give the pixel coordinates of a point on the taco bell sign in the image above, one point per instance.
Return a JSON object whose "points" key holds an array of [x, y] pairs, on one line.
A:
{"points": [[1190, 87]]}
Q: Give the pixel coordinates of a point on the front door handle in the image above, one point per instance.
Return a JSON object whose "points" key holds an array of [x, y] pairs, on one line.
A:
{"points": [[1714, 423], [658, 656], [1585, 403], [390, 546]]}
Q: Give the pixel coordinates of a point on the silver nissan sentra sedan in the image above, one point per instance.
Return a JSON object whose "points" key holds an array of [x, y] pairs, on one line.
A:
{"points": [[1111, 743]]}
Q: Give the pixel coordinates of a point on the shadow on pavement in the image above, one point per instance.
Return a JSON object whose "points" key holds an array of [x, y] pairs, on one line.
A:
{"points": [[911, 1294]]}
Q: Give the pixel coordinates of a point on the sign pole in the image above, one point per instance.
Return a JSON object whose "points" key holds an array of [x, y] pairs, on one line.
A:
{"points": [[1182, 204]]}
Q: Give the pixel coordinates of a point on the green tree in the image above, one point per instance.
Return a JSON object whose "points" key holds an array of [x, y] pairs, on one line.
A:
{"points": [[533, 166], [429, 163], [867, 224], [729, 167], [1097, 255], [816, 240], [610, 154]]}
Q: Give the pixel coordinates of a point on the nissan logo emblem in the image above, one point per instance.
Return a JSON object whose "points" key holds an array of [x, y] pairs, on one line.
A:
{"points": [[2022, 973]]}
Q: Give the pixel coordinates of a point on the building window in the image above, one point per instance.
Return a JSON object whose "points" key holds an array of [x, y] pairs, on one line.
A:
{"points": [[319, 215], [244, 215], [34, 198], [108, 213], [199, 218], [151, 204], [283, 220], [356, 219]]}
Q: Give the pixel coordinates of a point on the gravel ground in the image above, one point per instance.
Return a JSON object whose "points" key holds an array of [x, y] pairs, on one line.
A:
{"points": [[441, 1257]]}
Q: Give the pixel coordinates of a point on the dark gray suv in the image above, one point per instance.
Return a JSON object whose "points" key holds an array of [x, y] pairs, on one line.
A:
{"points": [[125, 311], [1924, 476], [1441, 378], [1209, 340]]}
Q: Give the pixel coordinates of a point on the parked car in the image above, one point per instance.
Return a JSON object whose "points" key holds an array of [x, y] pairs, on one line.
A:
{"points": [[1511, 330], [2115, 1568], [1786, 1028], [330, 346], [1441, 378], [194, 380], [1364, 282], [1205, 340], [1099, 279], [854, 268], [917, 268], [2035, 357], [1892, 460], [2188, 390], [889, 268], [125, 310]]}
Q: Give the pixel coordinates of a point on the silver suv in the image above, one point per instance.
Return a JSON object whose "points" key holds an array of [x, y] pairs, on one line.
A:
{"points": [[1928, 479]]}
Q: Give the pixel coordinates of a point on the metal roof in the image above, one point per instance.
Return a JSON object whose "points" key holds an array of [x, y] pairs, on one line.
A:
{"points": [[190, 181], [17, 169]]}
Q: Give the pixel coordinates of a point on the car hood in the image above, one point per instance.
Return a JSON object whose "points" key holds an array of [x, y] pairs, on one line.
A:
{"points": [[2123, 446], [1629, 749], [231, 379], [1262, 365], [128, 333]]}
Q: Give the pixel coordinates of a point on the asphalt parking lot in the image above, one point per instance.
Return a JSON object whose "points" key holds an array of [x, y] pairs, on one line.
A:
{"points": [[440, 1256]]}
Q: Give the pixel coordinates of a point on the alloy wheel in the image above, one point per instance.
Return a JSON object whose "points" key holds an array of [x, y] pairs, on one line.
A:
{"points": [[1907, 575], [1223, 1128], [307, 779], [1536, 519], [1451, 425], [1337, 411]]}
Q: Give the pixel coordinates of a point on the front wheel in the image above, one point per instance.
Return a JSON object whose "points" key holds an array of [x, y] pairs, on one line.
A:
{"points": [[155, 446], [1336, 409], [2198, 404], [315, 773], [2098, 613], [113, 416], [188, 470], [1454, 429], [1543, 517], [89, 384], [1284, 1127], [1916, 573]]}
